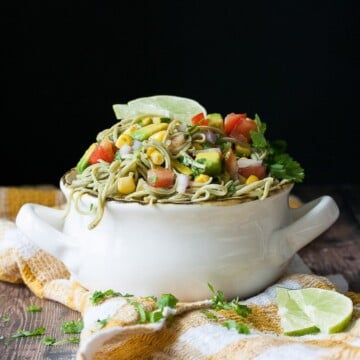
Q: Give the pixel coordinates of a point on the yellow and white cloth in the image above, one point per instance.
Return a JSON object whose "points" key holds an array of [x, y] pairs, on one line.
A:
{"points": [[190, 334]]}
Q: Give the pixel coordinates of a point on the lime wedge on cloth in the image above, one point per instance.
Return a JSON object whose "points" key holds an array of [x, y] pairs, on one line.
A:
{"points": [[174, 107], [303, 311], [293, 320]]}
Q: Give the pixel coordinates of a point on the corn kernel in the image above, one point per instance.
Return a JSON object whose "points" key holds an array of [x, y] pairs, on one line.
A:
{"points": [[157, 157], [126, 185], [147, 120], [150, 150], [123, 139], [202, 178], [159, 136], [156, 119], [251, 179], [131, 129]]}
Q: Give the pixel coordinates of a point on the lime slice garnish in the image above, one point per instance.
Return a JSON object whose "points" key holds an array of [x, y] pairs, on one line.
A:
{"points": [[293, 320], [175, 107], [327, 310]]}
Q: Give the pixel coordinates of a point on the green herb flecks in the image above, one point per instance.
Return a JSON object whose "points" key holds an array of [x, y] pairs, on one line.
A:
{"points": [[99, 296], [51, 341], [5, 319], [239, 327], [285, 167], [281, 165], [27, 333], [218, 302], [210, 315], [48, 340], [34, 308], [166, 300], [101, 323], [72, 327]]}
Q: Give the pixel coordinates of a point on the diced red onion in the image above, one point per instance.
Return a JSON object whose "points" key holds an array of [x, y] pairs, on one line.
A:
{"points": [[136, 144], [177, 140], [125, 150], [182, 183], [182, 127], [211, 137], [244, 162]]}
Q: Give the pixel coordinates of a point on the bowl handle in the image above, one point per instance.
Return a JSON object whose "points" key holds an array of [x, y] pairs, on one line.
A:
{"points": [[43, 225], [309, 221]]}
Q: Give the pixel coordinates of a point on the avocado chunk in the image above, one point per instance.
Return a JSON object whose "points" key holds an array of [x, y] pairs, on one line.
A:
{"points": [[242, 149], [215, 120], [84, 161], [211, 160], [148, 130]]}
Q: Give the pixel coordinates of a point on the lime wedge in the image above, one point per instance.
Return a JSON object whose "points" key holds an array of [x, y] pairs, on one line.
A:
{"points": [[306, 311], [175, 107], [294, 321], [329, 310]]}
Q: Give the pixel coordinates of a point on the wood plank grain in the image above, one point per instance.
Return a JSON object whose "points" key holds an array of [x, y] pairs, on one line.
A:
{"points": [[337, 250], [351, 193], [14, 300]]}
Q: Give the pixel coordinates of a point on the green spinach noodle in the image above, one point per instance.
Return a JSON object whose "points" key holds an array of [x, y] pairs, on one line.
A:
{"points": [[195, 155]]}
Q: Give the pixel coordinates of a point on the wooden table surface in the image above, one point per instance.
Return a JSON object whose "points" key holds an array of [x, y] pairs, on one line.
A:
{"points": [[336, 251]]}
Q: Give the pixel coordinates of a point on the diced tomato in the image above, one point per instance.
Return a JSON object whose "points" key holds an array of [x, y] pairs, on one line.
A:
{"points": [[161, 177], [104, 151], [257, 170], [242, 128], [231, 164], [231, 120], [199, 119]]}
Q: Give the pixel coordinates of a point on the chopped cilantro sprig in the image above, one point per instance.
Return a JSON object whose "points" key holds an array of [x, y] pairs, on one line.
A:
{"points": [[99, 296], [166, 300], [281, 165], [218, 302], [34, 308], [26, 333], [72, 327]]}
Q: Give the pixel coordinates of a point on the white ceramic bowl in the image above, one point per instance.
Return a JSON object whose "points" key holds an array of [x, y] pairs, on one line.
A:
{"points": [[239, 248]]}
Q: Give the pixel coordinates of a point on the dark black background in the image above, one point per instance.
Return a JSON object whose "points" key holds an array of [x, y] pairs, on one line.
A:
{"points": [[295, 63]]}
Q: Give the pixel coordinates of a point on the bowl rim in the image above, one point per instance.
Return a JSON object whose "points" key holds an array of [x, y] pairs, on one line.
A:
{"points": [[283, 189]]}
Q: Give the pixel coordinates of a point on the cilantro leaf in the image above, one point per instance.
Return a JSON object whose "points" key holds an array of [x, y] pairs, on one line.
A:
{"points": [[168, 300], [72, 327], [99, 296], [258, 139], [34, 308], [280, 164], [220, 303], [285, 167], [147, 316], [210, 315], [101, 323], [5, 319], [51, 341], [239, 327], [48, 340], [27, 333]]}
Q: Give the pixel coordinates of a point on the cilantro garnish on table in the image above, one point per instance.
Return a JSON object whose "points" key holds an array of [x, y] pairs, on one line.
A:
{"points": [[218, 302]]}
